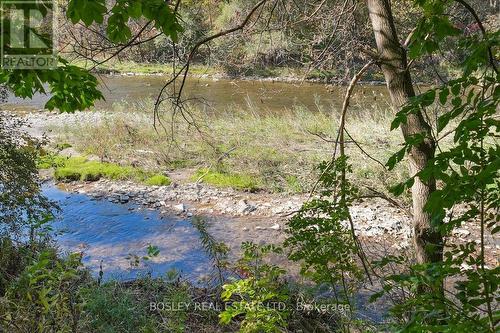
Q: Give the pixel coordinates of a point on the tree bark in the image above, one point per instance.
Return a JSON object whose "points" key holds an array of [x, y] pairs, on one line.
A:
{"points": [[428, 242]]}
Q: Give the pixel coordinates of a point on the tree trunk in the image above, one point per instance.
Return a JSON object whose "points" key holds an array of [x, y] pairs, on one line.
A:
{"points": [[428, 242]]}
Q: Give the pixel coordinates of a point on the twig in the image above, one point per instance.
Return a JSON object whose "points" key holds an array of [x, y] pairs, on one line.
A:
{"points": [[340, 133], [123, 47], [363, 151], [483, 31]]}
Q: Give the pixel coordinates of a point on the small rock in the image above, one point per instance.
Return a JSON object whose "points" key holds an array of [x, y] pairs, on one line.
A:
{"points": [[124, 198], [275, 226], [243, 207], [462, 232], [245, 229], [180, 208], [259, 228]]}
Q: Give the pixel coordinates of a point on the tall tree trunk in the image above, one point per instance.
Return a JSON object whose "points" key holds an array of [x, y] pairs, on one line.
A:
{"points": [[392, 59]]}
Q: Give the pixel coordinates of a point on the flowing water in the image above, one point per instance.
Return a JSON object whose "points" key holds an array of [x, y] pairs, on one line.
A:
{"points": [[110, 235], [264, 95]]}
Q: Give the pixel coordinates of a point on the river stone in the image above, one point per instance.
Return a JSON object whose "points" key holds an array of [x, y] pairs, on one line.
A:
{"points": [[180, 208], [243, 207], [275, 226], [69, 152]]}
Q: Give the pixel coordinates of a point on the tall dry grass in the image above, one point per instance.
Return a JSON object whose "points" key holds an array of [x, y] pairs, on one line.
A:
{"points": [[280, 149]]}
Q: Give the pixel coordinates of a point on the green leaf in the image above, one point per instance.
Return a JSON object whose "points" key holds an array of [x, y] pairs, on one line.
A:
{"points": [[88, 11], [118, 30], [400, 118], [443, 121], [443, 95], [427, 98]]}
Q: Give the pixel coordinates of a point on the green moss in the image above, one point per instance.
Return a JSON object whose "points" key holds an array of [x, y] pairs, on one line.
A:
{"points": [[157, 180], [223, 179], [79, 168], [48, 161], [64, 145]]}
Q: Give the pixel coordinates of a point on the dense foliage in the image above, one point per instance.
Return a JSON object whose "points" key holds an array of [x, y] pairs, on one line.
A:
{"points": [[41, 292], [21, 204]]}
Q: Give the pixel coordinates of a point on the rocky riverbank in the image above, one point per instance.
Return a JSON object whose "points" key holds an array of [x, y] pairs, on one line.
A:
{"points": [[260, 215], [263, 216], [373, 218]]}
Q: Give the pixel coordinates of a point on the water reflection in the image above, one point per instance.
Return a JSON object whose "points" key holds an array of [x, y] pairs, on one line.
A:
{"points": [[111, 232]]}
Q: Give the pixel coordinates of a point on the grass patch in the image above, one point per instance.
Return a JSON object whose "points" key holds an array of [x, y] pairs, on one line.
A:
{"points": [[224, 179], [79, 168], [112, 308], [49, 160], [158, 180]]}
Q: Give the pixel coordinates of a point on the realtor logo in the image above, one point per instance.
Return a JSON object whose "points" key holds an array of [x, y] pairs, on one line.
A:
{"points": [[27, 29]]}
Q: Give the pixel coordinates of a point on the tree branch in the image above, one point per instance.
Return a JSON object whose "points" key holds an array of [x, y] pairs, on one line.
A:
{"points": [[483, 31]]}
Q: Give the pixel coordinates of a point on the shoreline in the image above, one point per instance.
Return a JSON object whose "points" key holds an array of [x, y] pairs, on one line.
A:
{"points": [[275, 74], [224, 76], [262, 211], [260, 216]]}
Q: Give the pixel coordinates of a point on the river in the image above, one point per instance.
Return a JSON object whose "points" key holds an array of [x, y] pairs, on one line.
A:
{"points": [[265, 95], [111, 236]]}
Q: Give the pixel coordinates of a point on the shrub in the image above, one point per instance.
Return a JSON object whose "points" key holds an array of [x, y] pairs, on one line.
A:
{"points": [[258, 297], [45, 297]]}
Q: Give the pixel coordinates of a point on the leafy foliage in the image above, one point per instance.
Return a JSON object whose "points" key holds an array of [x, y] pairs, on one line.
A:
{"points": [[21, 203], [319, 236], [45, 296], [70, 87], [118, 30], [468, 192], [469, 178], [259, 297]]}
